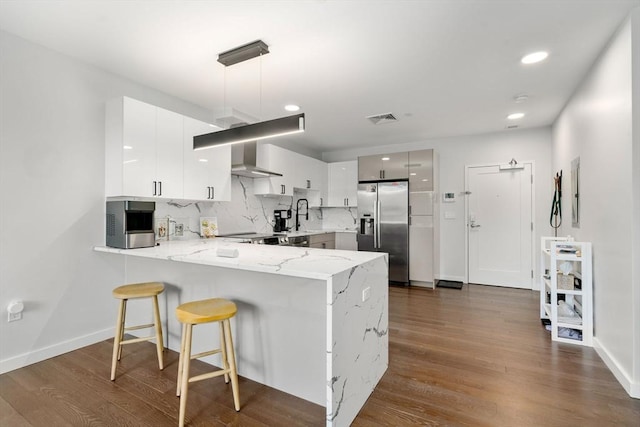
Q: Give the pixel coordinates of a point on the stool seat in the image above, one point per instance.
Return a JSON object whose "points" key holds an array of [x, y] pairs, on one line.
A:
{"points": [[138, 290], [205, 311]]}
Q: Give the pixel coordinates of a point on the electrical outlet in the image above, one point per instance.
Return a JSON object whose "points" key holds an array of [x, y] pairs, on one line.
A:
{"points": [[179, 230], [366, 293], [14, 316]]}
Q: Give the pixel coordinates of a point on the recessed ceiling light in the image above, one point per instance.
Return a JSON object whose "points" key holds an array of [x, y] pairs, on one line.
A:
{"points": [[534, 57], [385, 158], [291, 107], [203, 160], [413, 174], [515, 116], [127, 147], [425, 180]]}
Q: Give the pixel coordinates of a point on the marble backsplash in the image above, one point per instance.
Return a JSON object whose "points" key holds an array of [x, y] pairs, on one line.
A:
{"points": [[247, 213]]}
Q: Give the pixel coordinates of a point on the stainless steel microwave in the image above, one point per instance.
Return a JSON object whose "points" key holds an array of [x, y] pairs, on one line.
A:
{"points": [[130, 224]]}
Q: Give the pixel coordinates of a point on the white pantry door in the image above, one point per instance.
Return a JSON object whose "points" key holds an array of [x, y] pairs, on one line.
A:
{"points": [[500, 226]]}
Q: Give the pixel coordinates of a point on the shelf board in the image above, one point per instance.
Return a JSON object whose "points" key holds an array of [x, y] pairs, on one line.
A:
{"points": [[569, 326], [569, 291]]}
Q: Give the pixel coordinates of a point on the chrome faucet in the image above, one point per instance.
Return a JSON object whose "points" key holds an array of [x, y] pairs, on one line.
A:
{"points": [[298, 212]]}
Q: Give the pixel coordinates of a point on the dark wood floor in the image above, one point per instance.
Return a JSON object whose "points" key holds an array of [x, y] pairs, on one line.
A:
{"points": [[472, 357]]}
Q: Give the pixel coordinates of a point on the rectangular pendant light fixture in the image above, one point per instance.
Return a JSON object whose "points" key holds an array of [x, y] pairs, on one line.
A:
{"points": [[243, 53], [256, 131]]}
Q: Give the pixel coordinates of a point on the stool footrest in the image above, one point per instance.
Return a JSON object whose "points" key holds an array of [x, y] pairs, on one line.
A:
{"points": [[205, 353], [133, 328], [209, 375], [133, 340]]}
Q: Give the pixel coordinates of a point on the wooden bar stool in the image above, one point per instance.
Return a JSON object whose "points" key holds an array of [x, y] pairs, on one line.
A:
{"points": [[195, 313], [125, 293]]}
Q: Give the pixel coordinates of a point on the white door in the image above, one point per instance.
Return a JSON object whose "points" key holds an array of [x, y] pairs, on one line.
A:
{"points": [[500, 226]]}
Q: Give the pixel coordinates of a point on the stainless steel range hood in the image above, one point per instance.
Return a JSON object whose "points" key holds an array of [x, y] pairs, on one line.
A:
{"points": [[243, 161]]}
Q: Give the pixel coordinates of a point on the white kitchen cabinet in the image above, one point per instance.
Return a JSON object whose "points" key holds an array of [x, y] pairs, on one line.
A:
{"points": [[310, 174], [342, 184], [322, 241], [346, 241], [143, 150], [149, 154], [383, 167], [275, 159], [298, 171], [423, 218], [567, 299], [207, 173]]}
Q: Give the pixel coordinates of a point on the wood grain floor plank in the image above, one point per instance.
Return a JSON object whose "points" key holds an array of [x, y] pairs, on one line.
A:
{"points": [[471, 357]]}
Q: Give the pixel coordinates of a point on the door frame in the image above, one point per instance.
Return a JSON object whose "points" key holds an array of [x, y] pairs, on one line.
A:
{"points": [[533, 215]]}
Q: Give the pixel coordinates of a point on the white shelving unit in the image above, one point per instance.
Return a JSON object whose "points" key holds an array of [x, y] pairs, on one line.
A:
{"points": [[576, 327]]}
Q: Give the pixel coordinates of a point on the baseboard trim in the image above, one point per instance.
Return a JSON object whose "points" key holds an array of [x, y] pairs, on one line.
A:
{"points": [[35, 356], [632, 389]]}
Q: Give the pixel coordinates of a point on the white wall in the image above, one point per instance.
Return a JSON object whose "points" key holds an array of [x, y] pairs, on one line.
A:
{"points": [[597, 125], [52, 199], [455, 153]]}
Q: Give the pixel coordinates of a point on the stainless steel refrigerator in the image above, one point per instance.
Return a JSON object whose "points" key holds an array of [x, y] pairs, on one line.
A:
{"points": [[383, 220]]}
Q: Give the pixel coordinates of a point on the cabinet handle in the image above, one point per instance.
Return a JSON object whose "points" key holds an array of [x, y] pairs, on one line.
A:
{"points": [[155, 188], [213, 193], [347, 199], [208, 193], [160, 185], [321, 201], [282, 189], [308, 183], [409, 209]]}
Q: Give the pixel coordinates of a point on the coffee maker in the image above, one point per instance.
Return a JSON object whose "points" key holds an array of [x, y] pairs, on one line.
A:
{"points": [[281, 217]]}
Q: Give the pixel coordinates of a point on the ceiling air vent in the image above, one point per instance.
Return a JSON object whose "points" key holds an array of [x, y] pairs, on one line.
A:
{"points": [[380, 119]]}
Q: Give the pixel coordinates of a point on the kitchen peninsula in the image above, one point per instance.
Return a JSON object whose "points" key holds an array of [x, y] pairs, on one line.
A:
{"points": [[311, 322]]}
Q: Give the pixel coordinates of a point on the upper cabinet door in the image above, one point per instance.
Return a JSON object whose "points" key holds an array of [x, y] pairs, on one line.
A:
{"points": [[421, 170], [395, 166], [369, 168], [275, 159], [207, 173], [138, 145], [383, 167], [343, 184], [169, 154]]}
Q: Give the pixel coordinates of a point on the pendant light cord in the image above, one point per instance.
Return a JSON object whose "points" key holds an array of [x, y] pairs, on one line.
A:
{"points": [[260, 112]]}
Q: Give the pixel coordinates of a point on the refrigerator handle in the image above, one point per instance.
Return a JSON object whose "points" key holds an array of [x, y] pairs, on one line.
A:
{"points": [[376, 238]]}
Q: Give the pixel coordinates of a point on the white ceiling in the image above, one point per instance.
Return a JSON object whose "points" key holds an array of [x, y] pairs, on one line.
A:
{"points": [[443, 67]]}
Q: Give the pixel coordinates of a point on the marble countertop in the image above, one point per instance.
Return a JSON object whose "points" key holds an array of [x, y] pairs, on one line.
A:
{"points": [[285, 260]]}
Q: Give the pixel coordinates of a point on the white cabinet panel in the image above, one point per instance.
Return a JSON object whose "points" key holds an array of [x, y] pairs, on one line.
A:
{"points": [[169, 154], [298, 171], [207, 173], [346, 241], [421, 202], [138, 142], [421, 247], [275, 159], [343, 184]]}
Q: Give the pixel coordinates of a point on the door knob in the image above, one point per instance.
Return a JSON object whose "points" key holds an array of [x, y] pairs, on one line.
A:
{"points": [[474, 225]]}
